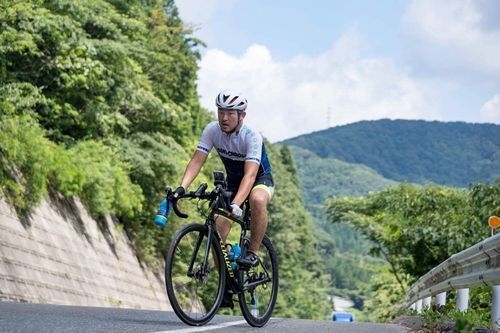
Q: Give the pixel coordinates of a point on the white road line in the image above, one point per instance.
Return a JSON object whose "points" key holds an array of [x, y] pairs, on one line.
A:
{"points": [[205, 328]]}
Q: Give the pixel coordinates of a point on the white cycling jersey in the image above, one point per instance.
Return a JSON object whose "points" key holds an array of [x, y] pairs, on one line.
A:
{"points": [[245, 145]]}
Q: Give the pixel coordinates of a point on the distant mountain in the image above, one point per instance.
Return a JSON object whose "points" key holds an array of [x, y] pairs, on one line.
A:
{"points": [[445, 153], [321, 178]]}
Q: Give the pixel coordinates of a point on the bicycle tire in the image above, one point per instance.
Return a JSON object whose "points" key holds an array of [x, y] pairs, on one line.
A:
{"points": [[257, 303], [194, 298]]}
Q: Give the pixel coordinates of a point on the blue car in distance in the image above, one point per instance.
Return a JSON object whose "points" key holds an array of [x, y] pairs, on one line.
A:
{"points": [[343, 317]]}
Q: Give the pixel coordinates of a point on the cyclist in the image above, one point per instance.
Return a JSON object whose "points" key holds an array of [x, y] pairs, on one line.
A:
{"points": [[248, 170]]}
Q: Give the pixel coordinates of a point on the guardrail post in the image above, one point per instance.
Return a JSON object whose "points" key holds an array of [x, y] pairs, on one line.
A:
{"points": [[441, 299], [463, 299], [418, 306], [495, 309], [426, 304]]}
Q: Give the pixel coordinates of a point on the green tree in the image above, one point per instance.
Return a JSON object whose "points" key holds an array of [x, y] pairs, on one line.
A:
{"points": [[413, 228]]}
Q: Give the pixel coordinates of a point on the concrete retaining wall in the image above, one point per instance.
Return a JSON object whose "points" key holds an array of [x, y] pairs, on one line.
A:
{"points": [[60, 255]]}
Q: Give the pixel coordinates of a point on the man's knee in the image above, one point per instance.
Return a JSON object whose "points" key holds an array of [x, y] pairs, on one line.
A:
{"points": [[259, 199]]}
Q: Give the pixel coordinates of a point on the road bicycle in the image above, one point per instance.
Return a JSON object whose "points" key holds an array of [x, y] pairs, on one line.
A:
{"points": [[198, 270]]}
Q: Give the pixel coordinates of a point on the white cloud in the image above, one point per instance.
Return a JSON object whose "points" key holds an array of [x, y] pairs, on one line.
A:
{"points": [[455, 35], [307, 94], [490, 112]]}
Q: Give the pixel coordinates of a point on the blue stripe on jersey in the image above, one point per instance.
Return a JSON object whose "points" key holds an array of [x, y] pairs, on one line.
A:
{"points": [[264, 161]]}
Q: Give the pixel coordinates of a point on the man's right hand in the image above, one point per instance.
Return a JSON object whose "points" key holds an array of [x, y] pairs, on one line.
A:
{"points": [[179, 192], [236, 210]]}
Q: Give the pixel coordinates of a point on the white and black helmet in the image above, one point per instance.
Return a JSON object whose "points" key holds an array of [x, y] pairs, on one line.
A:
{"points": [[229, 100]]}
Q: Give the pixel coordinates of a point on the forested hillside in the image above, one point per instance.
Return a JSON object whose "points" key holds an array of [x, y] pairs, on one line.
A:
{"points": [[324, 177], [98, 101], [453, 153]]}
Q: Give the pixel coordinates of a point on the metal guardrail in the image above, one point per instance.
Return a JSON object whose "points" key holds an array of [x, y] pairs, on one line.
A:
{"points": [[475, 266]]}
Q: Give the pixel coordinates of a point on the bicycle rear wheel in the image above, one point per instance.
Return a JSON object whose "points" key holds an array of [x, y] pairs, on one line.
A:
{"points": [[193, 277], [260, 285]]}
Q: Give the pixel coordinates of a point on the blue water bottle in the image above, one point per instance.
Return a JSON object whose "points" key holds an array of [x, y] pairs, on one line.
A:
{"points": [[162, 214], [233, 255]]}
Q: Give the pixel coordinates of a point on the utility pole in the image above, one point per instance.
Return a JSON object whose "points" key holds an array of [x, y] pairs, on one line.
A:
{"points": [[328, 119]]}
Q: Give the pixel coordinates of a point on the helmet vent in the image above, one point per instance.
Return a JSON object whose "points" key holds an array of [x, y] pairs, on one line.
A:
{"points": [[227, 100]]}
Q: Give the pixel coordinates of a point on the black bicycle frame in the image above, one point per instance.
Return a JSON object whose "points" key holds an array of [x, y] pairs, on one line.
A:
{"points": [[244, 224]]}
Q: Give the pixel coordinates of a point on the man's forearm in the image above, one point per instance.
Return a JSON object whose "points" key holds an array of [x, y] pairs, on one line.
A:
{"points": [[193, 169]]}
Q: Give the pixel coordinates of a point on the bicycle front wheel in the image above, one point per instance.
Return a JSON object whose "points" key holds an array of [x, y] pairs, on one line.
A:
{"points": [[193, 277], [260, 285]]}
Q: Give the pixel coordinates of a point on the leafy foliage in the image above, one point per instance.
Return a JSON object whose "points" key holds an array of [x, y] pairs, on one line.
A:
{"points": [[101, 68], [24, 169], [107, 187]]}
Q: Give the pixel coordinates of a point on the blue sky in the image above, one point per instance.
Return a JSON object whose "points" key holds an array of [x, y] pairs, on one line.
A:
{"points": [[309, 65]]}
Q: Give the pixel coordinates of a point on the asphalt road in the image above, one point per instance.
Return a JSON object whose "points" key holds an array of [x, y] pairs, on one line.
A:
{"points": [[41, 318]]}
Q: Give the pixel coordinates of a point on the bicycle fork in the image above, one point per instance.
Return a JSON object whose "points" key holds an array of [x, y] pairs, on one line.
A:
{"points": [[204, 269]]}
